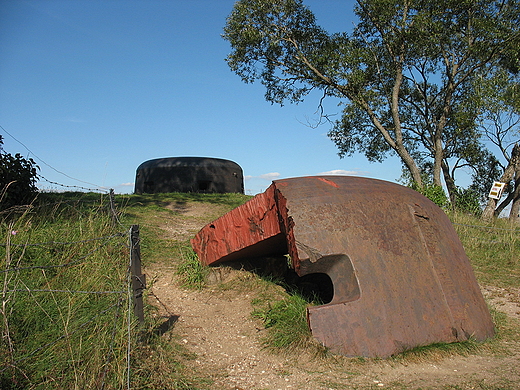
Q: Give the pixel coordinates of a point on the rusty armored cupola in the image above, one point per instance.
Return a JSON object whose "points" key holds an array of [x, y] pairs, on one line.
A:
{"points": [[189, 174], [400, 277]]}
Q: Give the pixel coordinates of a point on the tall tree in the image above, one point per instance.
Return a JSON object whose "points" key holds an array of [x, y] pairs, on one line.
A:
{"points": [[500, 124], [403, 74]]}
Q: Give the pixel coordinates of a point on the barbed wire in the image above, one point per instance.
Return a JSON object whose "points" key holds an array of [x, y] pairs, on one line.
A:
{"points": [[48, 165], [43, 205], [66, 291], [17, 209], [487, 227], [99, 189], [100, 242], [68, 264], [63, 336], [68, 242]]}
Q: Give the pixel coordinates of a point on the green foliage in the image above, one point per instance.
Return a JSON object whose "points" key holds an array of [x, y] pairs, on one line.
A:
{"points": [[402, 92], [433, 192], [18, 177], [268, 33], [468, 201]]}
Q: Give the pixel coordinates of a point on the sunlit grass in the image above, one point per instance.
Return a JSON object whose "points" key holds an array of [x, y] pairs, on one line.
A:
{"points": [[493, 248], [63, 292], [65, 315], [286, 321], [94, 351], [191, 272]]}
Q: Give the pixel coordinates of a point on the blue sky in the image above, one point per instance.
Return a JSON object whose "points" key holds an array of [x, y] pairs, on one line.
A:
{"points": [[95, 88]]}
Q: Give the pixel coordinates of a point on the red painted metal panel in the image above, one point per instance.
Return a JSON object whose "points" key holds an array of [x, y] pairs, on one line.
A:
{"points": [[251, 229]]}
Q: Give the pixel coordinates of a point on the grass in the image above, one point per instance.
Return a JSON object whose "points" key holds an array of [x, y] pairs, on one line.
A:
{"points": [[494, 249], [155, 213], [191, 272], [286, 320], [59, 260], [58, 339], [65, 316]]}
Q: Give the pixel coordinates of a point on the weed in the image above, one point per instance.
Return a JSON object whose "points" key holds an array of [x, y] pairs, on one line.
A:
{"points": [[191, 271], [286, 321], [438, 351]]}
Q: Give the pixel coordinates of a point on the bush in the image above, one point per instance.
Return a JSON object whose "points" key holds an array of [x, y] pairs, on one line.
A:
{"points": [[17, 179], [435, 193], [467, 201]]}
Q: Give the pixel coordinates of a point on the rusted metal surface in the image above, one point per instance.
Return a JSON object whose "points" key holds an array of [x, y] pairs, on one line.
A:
{"points": [[400, 275], [252, 229]]}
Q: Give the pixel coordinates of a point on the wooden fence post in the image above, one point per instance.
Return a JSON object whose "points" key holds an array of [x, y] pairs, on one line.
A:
{"points": [[138, 279], [113, 212]]}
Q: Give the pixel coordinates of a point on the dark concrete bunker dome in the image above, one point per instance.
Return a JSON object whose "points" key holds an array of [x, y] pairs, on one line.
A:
{"points": [[189, 174]]}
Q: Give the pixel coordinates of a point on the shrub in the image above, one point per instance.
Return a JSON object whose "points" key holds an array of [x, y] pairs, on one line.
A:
{"points": [[435, 193], [17, 179], [467, 201]]}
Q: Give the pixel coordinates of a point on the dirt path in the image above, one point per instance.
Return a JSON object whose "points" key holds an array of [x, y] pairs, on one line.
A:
{"points": [[217, 326]]}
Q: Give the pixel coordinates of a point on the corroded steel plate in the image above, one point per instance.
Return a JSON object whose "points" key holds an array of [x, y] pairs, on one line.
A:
{"points": [[400, 275]]}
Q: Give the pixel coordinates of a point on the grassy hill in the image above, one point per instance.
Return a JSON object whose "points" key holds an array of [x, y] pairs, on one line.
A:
{"points": [[67, 320]]}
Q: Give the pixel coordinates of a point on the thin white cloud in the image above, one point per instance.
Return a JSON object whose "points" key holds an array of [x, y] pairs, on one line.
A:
{"points": [[341, 172], [126, 184], [270, 176], [264, 176]]}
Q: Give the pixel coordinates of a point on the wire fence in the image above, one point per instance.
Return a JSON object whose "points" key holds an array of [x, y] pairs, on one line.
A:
{"points": [[63, 302]]}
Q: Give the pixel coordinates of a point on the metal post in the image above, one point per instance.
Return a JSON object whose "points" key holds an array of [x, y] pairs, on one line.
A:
{"points": [[138, 279]]}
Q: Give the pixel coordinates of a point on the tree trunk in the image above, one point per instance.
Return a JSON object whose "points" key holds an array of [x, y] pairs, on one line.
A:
{"points": [[399, 143], [450, 183], [412, 167], [396, 144], [515, 208], [506, 177], [438, 162], [502, 205], [489, 210]]}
